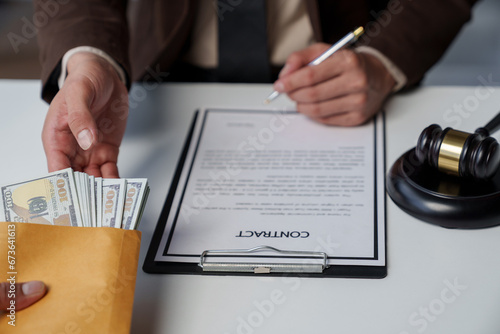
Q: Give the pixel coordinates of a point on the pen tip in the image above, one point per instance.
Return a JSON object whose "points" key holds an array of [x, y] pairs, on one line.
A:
{"points": [[271, 97]]}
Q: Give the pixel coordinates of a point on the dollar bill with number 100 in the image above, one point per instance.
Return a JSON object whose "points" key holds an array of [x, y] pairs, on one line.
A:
{"points": [[51, 199]]}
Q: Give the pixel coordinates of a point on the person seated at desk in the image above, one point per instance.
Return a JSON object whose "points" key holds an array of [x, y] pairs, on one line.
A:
{"points": [[87, 66]]}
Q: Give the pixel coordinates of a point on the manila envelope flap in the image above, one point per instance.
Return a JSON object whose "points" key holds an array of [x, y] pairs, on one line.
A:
{"points": [[90, 274]]}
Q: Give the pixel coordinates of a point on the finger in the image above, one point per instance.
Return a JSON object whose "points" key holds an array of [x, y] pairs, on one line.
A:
{"points": [[21, 294], [307, 76], [107, 170], [56, 138], [354, 105], [94, 170], [301, 58], [110, 170], [344, 119], [103, 161], [348, 83], [79, 99]]}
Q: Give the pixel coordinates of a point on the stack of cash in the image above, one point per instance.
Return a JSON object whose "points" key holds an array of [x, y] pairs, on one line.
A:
{"points": [[71, 198]]}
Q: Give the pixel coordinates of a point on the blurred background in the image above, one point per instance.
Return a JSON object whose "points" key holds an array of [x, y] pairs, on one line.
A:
{"points": [[475, 53], [24, 63]]}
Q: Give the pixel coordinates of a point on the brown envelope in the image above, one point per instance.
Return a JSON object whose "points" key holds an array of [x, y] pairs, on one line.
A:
{"points": [[90, 274]]}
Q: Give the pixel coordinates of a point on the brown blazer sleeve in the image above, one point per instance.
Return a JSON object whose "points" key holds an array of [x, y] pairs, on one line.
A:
{"points": [[414, 34], [71, 23]]}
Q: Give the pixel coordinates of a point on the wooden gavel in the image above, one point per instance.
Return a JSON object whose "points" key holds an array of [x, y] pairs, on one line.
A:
{"points": [[475, 155]]}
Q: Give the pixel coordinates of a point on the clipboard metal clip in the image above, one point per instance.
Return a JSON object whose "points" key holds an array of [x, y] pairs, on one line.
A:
{"points": [[264, 268]]}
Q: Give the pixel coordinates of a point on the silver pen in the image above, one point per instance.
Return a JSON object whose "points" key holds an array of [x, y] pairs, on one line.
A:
{"points": [[349, 38]]}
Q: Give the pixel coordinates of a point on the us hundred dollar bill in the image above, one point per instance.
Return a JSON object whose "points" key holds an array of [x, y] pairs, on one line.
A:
{"points": [[134, 202], [93, 203], [51, 200], [113, 199], [98, 201]]}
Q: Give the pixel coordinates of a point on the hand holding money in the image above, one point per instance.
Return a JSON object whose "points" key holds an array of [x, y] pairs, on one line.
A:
{"points": [[71, 198], [87, 118]]}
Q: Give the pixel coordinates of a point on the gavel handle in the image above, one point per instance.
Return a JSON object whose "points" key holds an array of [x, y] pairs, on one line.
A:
{"points": [[493, 125]]}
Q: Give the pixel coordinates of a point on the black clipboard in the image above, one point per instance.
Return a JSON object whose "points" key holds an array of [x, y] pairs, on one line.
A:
{"points": [[206, 266]]}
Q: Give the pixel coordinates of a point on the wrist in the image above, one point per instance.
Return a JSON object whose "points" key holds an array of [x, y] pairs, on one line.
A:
{"points": [[90, 55], [390, 67], [79, 58], [385, 81], [83, 58]]}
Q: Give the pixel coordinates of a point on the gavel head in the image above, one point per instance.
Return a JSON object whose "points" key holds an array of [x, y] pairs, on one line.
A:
{"points": [[474, 155]]}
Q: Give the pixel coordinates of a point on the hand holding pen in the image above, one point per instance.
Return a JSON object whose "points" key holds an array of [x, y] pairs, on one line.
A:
{"points": [[335, 85]]}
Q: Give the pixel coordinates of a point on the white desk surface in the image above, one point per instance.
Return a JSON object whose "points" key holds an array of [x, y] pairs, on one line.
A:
{"points": [[439, 280]]}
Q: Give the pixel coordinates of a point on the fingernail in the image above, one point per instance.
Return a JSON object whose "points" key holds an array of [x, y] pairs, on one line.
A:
{"points": [[33, 288], [85, 139], [278, 86]]}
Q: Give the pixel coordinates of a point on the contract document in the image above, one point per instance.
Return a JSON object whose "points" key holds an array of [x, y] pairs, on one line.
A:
{"points": [[252, 178]]}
